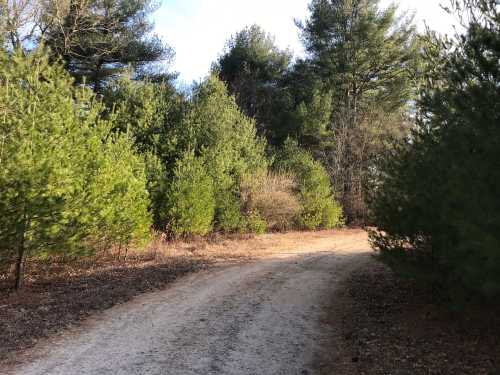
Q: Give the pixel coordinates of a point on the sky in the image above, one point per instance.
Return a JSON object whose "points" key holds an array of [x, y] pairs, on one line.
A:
{"points": [[198, 29]]}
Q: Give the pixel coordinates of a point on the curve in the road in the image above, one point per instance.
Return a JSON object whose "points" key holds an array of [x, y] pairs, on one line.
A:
{"points": [[260, 318]]}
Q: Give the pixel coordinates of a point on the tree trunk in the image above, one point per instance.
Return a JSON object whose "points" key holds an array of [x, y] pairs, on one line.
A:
{"points": [[20, 267], [21, 250], [96, 78]]}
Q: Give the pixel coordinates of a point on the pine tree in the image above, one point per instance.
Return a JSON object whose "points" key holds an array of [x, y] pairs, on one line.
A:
{"points": [[224, 140], [66, 185], [437, 203], [319, 208], [148, 112], [191, 198], [364, 57], [252, 67], [98, 39]]}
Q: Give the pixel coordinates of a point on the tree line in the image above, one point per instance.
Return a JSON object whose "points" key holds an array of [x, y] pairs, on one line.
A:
{"points": [[98, 146], [377, 124]]}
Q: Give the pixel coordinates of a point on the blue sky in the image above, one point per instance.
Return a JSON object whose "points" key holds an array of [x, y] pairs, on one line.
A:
{"points": [[199, 29]]}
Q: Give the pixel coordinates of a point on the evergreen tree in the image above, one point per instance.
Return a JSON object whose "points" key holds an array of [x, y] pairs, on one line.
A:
{"points": [[225, 141], [319, 209], [364, 56], [437, 203], [191, 199], [301, 109], [97, 39], [252, 67], [149, 112], [66, 186]]}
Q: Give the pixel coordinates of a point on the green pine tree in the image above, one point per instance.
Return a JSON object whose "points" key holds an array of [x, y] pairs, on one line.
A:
{"points": [[319, 207], [364, 56], [436, 202], [97, 40], [225, 141], [252, 67], [66, 186]]}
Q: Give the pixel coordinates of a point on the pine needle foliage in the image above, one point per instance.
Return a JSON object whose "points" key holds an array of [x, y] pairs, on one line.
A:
{"points": [[319, 208], [225, 140], [66, 185], [437, 204]]}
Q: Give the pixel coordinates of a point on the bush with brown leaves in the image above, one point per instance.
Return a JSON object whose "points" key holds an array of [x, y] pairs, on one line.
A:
{"points": [[273, 196]]}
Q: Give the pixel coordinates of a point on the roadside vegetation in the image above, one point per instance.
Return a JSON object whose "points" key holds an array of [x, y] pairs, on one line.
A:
{"points": [[99, 150], [436, 200], [104, 160], [377, 125]]}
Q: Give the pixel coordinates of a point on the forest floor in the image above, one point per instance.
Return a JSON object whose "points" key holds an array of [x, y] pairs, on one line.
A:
{"points": [[295, 303], [395, 327]]}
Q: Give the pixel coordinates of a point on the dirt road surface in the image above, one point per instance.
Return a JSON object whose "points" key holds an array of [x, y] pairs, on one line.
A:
{"points": [[269, 316]]}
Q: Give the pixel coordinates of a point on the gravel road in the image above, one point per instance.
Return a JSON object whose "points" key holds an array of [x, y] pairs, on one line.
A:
{"points": [[270, 316]]}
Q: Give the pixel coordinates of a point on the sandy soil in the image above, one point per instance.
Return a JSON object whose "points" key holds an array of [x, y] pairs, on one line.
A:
{"points": [[268, 316]]}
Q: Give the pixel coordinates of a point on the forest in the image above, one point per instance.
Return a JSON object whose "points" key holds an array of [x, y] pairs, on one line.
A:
{"points": [[379, 125]]}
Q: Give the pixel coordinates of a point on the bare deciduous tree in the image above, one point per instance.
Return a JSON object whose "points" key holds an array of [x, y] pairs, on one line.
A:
{"points": [[19, 22]]}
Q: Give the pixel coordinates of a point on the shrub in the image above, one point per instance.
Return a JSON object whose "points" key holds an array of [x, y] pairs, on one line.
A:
{"points": [[332, 215], [318, 206], [66, 185], [254, 223], [216, 128], [226, 141], [436, 201], [120, 195], [149, 113], [272, 196], [228, 214], [190, 198]]}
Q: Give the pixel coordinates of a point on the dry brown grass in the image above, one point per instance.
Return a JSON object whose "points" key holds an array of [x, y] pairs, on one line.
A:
{"points": [[216, 248], [273, 196]]}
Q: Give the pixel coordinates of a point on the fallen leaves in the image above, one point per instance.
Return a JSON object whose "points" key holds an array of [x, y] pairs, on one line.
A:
{"points": [[394, 327]]}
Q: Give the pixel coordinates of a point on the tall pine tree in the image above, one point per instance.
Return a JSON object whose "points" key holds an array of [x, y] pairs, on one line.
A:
{"points": [[363, 55], [437, 204], [97, 39], [252, 67]]}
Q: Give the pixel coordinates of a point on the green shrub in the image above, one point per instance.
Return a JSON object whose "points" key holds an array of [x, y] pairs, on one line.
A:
{"points": [[436, 202], [226, 141], [119, 191], [228, 214], [66, 184], [149, 113], [254, 223], [190, 198], [332, 215], [319, 208]]}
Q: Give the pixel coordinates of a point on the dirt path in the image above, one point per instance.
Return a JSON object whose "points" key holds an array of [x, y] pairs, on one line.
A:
{"points": [[271, 316]]}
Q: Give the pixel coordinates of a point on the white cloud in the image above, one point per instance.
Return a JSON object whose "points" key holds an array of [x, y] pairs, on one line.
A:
{"points": [[198, 29]]}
